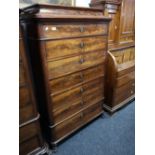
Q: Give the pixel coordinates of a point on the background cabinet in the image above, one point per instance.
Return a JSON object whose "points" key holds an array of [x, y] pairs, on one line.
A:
{"points": [[30, 137], [121, 53], [127, 21]]}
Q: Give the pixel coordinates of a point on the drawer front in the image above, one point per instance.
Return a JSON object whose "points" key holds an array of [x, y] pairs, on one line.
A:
{"points": [[29, 138], [125, 71], [69, 65], [66, 111], [125, 79], [91, 112], [91, 73], [61, 48], [124, 92], [63, 83], [92, 59], [91, 93], [66, 127], [27, 110], [26, 113], [75, 122], [66, 98], [28, 146], [64, 66], [72, 30], [28, 131]]}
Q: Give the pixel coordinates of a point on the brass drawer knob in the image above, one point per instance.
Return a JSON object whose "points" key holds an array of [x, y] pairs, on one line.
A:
{"points": [[133, 84]]}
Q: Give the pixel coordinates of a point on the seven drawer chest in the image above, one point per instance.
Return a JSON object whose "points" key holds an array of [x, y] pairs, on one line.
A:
{"points": [[68, 49]]}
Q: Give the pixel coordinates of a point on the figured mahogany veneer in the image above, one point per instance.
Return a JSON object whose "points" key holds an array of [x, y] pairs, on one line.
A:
{"points": [[68, 54], [120, 83], [121, 50], [30, 139]]}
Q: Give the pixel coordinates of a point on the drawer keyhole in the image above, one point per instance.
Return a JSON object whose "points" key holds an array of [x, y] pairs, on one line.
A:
{"points": [[82, 44], [81, 29], [81, 60], [81, 90]]}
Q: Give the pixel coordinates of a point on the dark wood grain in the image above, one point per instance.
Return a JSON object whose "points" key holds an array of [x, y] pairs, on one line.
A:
{"points": [[120, 66], [30, 140], [68, 55]]}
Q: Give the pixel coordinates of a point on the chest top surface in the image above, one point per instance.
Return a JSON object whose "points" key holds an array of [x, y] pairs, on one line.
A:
{"points": [[57, 12]]}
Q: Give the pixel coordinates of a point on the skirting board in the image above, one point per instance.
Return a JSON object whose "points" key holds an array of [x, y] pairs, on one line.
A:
{"points": [[111, 110]]}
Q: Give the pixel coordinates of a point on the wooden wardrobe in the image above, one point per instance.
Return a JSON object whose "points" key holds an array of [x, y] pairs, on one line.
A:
{"points": [[68, 50], [30, 137], [120, 69]]}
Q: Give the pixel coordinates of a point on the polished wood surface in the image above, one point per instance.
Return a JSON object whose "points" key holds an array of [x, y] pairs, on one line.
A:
{"points": [[120, 83], [127, 21], [120, 67], [30, 139], [66, 30], [68, 54]]}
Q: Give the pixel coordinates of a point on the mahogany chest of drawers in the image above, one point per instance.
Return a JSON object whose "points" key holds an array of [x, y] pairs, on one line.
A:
{"points": [[30, 140], [68, 49]]}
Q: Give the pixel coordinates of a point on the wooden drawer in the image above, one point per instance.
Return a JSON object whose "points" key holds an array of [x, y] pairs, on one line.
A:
{"points": [[125, 79], [29, 146], [72, 30], [92, 112], [92, 92], [124, 92], [27, 110], [62, 48], [67, 98], [92, 59], [29, 139], [68, 126], [66, 82], [28, 131], [64, 99], [26, 113], [66, 66]]}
